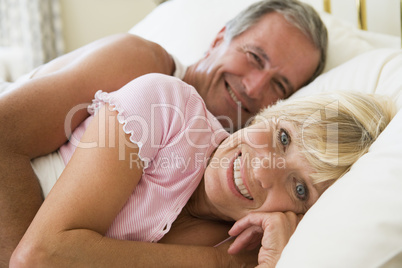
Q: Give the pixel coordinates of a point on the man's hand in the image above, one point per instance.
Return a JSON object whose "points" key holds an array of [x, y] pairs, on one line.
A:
{"points": [[270, 230]]}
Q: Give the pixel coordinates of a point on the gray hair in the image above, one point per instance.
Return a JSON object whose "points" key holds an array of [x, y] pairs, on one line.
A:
{"points": [[299, 14]]}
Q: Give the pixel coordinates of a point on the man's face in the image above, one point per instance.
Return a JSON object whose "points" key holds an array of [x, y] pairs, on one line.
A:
{"points": [[269, 61]]}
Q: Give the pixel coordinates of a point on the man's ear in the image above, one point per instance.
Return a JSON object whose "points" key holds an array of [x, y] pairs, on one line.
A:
{"points": [[219, 38]]}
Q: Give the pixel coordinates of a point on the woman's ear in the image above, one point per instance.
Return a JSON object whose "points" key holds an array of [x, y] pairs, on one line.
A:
{"points": [[219, 38]]}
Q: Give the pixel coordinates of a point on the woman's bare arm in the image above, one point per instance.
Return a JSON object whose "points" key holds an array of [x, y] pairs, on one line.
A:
{"points": [[68, 229]]}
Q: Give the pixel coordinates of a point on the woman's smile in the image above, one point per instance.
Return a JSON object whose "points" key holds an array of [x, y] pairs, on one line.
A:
{"points": [[234, 178], [238, 179]]}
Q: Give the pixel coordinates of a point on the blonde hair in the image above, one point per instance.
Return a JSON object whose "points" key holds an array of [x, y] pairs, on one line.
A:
{"points": [[334, 129]]}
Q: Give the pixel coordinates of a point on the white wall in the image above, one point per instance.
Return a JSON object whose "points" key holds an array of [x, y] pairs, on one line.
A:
{"points": [[382, 15], [87, 20]]}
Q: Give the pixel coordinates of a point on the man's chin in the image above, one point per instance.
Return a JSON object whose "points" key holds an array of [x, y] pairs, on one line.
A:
{"points": [[229, 125]]}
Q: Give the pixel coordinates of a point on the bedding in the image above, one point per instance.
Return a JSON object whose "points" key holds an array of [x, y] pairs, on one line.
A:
{"points": [[11, 62], [358, 221]]}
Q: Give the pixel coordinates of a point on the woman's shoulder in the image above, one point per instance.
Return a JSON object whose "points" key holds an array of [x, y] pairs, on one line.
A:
{"points": [[166, 85], [155, 91]]}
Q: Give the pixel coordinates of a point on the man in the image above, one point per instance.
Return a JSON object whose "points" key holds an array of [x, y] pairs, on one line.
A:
{"points": [[264, 54]]}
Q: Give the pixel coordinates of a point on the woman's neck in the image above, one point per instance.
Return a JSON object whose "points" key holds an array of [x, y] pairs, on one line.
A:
{"points": [[199, 206]]}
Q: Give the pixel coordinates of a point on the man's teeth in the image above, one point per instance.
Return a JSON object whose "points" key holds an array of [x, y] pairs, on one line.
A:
{"points": [[231, 93], [239, 181]]}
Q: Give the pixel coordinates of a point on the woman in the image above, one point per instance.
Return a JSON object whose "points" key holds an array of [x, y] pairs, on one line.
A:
{"points": [[158, 167]]}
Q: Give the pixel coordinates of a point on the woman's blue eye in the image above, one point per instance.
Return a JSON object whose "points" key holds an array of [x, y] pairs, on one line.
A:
{"points": [[284, 137], [300, 190]]}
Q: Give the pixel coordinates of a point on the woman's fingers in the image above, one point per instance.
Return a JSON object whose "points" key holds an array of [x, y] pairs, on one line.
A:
{"points": [[275, 228]]}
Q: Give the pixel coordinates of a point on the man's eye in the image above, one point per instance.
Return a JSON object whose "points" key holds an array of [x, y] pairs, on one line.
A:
{"points": [[281, 88], [256, 58]]}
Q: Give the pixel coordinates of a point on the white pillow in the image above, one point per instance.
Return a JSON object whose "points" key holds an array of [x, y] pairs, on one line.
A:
{"points": [[377, 71], [357, 222], [186, 28], [11, 63]]}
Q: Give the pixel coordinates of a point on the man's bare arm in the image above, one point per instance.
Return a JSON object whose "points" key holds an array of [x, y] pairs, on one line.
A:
{"points": [[32, 116]]}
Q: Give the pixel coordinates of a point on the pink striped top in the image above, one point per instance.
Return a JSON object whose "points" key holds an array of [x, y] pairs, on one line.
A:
{"points": [[176, 134]]}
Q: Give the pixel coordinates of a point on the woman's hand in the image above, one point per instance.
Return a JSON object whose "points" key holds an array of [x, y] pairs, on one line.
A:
{"points": [[270, 230]]}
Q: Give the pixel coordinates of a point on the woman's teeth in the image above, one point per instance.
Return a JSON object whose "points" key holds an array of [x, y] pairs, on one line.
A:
{"points": [[239, 181]]}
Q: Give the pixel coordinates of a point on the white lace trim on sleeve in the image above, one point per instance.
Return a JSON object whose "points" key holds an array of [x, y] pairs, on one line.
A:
{"points": [[102, 98]]}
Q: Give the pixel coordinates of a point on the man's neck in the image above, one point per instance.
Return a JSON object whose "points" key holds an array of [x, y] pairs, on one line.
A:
{"points": [[190, 77]]}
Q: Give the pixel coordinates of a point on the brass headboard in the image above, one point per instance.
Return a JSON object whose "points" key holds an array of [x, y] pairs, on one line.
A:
{"points": [[327, 6], [362, 13]]}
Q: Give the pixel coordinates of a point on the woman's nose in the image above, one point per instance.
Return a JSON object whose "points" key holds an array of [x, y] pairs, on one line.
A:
{"points": [[268, 173]]}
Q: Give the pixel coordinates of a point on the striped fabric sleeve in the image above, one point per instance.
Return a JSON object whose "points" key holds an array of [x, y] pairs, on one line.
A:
{"points": [[151, 109]]}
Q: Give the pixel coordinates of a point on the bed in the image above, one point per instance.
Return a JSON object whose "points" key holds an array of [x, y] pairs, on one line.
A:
{"points": [[358, 221]]}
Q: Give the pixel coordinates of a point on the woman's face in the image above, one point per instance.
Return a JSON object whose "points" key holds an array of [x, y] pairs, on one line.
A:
{"points": [[259, 168]]}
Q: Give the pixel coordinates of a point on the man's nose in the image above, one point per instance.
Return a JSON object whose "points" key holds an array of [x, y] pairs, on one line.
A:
{"points": [[256, 82]]}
